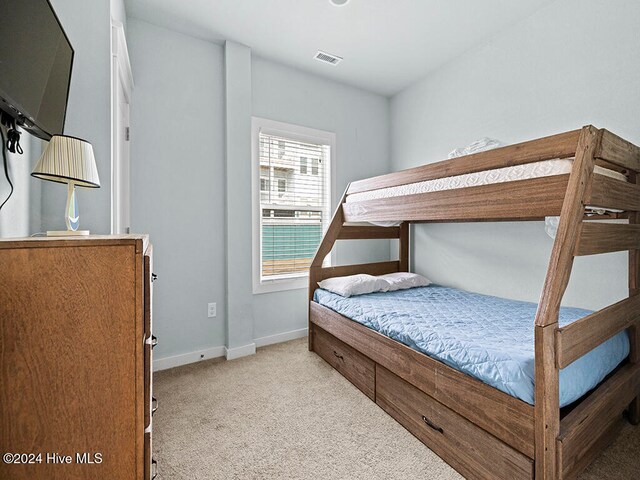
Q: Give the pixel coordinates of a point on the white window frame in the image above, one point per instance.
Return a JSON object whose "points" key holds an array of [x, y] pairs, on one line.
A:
{"points": [[302, 134]]}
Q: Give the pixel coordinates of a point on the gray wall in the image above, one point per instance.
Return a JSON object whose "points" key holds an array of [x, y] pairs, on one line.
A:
{"points": [[20, 216], [240, 318], [177, 162], [88, 27], [360, 121], [190, 132], [572, 63]]}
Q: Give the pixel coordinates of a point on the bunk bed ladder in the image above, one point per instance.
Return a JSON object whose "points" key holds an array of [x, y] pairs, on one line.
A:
{"points": [[562, 449], [547, 396]]}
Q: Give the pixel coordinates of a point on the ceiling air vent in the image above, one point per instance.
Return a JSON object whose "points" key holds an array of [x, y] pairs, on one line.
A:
{"points": [[327, 58]]}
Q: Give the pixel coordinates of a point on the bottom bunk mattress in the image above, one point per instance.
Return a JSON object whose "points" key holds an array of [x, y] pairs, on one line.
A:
{"points": [[489, 338]]}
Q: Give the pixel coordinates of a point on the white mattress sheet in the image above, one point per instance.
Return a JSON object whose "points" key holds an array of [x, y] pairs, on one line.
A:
{"points": [[545, 168]]}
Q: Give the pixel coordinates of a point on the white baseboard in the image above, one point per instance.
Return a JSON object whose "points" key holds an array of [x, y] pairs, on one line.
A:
{"points": [[281, 337], [228, 353], [186, 358], [237, 352]]}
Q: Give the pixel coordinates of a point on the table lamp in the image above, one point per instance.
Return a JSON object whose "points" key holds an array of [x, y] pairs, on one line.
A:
{"points": [[68, 160]]}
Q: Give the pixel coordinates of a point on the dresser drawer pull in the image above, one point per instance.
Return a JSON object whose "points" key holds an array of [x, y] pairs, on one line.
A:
{"points": [[154, 405], [154, 341], [154, 469], [432, 425], [154, 277], [337, 355]]}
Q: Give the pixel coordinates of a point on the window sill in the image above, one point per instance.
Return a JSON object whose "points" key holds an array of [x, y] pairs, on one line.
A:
{"points": [[281, 285]]}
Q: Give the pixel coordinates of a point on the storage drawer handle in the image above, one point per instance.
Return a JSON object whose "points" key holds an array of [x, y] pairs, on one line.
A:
{"points": [[154, 469], [154, 341], [154, 405], [432, 425], [337, 355], [154, 277]]}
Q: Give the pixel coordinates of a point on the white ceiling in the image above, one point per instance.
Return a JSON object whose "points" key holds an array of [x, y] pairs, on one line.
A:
{"points": [[386, 44]]}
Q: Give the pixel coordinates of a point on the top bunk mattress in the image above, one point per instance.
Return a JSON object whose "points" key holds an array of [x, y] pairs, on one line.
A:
{"points": [[527, 171], [489, 338]]}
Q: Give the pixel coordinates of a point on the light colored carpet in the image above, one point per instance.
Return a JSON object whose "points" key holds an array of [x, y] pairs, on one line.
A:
{"points": [[286, 414]]}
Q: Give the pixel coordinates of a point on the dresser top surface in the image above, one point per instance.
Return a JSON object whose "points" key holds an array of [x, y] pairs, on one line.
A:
{"points": [[141, 241]]}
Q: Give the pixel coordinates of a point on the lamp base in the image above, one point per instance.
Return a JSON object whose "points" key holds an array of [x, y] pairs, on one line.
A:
{"points": [[67, 233]]}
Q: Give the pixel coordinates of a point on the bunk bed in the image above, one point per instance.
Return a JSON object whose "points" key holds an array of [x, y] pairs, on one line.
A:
{"points": [[480, 430]]}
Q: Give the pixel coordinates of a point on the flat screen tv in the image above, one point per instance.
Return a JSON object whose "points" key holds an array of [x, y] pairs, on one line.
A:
{"points": [[35, 66]]}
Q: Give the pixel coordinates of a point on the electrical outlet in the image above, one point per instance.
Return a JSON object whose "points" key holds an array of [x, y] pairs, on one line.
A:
{"points": [[211, 310]]}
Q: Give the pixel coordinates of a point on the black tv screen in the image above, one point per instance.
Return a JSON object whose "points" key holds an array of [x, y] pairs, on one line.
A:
{"points": [[35, 66]]}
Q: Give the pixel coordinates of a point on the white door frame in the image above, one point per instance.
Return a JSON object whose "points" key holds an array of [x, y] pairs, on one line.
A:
{"points": [[121, 76]]}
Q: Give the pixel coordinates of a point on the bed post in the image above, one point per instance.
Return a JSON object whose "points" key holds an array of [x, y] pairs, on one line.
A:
{"points": [[634, 289], [403, 254], [327, 243], [547, 397]]}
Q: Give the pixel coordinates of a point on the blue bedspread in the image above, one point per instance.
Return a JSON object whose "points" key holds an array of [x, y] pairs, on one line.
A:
{"points": [[489, 338]]}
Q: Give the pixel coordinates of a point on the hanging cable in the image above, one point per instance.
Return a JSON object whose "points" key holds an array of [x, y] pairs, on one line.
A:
{"points": [[6, 166], [13, 141], [13, 135]]}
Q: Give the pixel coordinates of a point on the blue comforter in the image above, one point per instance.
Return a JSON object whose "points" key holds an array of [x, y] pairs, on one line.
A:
{"points": [[489, 338]]}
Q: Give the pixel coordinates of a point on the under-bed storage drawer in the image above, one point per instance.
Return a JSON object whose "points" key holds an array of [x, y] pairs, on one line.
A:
{"points": [[466, 447], [357, 368]]}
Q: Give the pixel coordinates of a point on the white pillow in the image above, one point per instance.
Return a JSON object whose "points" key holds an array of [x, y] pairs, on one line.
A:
{"points": [[402, 280], [354, 285]]}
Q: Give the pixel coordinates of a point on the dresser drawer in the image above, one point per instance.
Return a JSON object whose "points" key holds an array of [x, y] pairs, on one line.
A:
{"points": [[475, 453], [357, 368]]}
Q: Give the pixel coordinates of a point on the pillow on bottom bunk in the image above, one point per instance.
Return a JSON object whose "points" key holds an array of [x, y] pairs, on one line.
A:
{"points": [[361, 284], [354, 285], [403, 280]]}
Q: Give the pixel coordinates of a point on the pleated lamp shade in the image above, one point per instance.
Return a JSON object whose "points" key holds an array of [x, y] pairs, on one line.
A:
{"points": [[68, 159]]}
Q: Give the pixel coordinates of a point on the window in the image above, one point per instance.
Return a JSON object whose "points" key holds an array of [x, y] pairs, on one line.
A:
{"points": [[282, 186], [291, 202]]}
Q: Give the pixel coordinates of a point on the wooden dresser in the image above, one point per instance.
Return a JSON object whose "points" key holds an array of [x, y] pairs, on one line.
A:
{"points": [[75, 358]]}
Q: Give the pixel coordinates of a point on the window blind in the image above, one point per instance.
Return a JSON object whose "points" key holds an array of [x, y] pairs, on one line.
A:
{"points": [[294, 204]]}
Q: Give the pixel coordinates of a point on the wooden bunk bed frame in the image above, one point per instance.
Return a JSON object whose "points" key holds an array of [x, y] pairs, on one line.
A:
{"points": [[479, 430]]}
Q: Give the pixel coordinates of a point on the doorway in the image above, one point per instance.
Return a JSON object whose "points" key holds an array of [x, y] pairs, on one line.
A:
{"points": [[122, 85]]}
